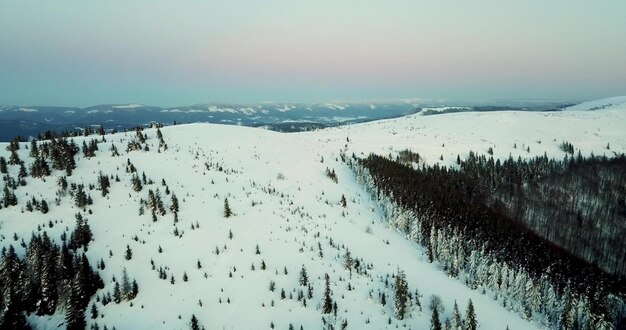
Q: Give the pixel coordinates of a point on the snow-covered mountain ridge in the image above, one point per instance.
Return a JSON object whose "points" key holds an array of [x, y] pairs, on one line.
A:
{"points": [[284, 204]]}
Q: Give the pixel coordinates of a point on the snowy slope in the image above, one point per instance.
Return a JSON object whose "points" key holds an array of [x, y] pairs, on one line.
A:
{"points": [[284, 203], [618, 102]]}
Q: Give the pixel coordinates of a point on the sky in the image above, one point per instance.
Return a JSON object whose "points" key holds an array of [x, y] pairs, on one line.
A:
{"points": [[167, 53]]}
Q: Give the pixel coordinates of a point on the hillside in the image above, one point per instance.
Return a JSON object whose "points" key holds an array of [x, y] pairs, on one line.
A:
{"points": [[617, 102], [286, 214]]}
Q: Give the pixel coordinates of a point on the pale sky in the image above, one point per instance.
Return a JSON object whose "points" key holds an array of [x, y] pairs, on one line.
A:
{"points": [[166, 52]]}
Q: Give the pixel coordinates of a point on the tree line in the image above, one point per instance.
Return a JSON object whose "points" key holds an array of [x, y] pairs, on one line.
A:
{"points": [[447, 211]]}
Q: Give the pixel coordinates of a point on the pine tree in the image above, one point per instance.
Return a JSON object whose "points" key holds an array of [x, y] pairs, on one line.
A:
{"points": [[49, 282], [347, 261], [94, 311], [117, 293], [328, 301], [435, 323], [401, 295], [11, 316], [80, 197], [44, 207], [470, 317], [457, 323], [136, 183], [3, 165], [533, 297], [194, 323], [304, 278], [104, 183], [126, 286], [22, 174], [174, 207], [129, 253], [15, 158], [82, 233], [227, 211], [343, 201], [75, 312], [135, 289]]}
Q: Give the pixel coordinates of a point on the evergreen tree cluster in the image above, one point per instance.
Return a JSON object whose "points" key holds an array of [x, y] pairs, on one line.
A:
{"points": [[60, 152], [33, 204], [125, 291], [567, 147], [45, 278], [162, 144], [89, 150], [8, 192], [447, 211], [39, 167], [139, 142], [82, 235], [331, 174], [13, 147], [103, 184], [155, 203], [81, 198]]}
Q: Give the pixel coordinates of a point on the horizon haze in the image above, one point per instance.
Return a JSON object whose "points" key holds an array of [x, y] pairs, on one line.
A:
{"points": [[167, 53]]}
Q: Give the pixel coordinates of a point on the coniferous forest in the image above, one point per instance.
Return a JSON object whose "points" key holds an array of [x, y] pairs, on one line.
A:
{"points": [[47, 276], [543, 236]]}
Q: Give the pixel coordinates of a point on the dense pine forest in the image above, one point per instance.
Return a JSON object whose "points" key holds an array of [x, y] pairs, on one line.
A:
{"points": [[479, 221], [47, 276]]}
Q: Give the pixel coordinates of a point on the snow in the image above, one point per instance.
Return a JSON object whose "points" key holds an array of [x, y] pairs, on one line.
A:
{"points": [[287, 225], [247, 111], [213, 108], [128, 106], [618, 102], [335, 106], [284, 108]]}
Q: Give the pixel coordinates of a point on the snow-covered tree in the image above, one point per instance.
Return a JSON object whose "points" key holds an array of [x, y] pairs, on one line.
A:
{"points": [[401, 295]]}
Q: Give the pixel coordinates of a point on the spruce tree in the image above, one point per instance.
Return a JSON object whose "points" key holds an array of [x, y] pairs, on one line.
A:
{"points": [[3, 165], [129, 253], [126, 286], [457, 323], [304, 278], [194, 323], [94, 311], [134, 289], [174, 206], [44, 207], [117, 293], [328, 301], [435, 323], [470, 317], [227, 211], [401, 295], [15, 158], [136, 183], [75, 312], [11, 268]]}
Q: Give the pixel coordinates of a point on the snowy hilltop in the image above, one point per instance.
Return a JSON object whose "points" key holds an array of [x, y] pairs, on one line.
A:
{"points": [[227, 227]]}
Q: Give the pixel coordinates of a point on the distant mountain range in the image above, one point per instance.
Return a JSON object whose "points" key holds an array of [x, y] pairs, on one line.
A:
{"points": [[29, 121]]}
